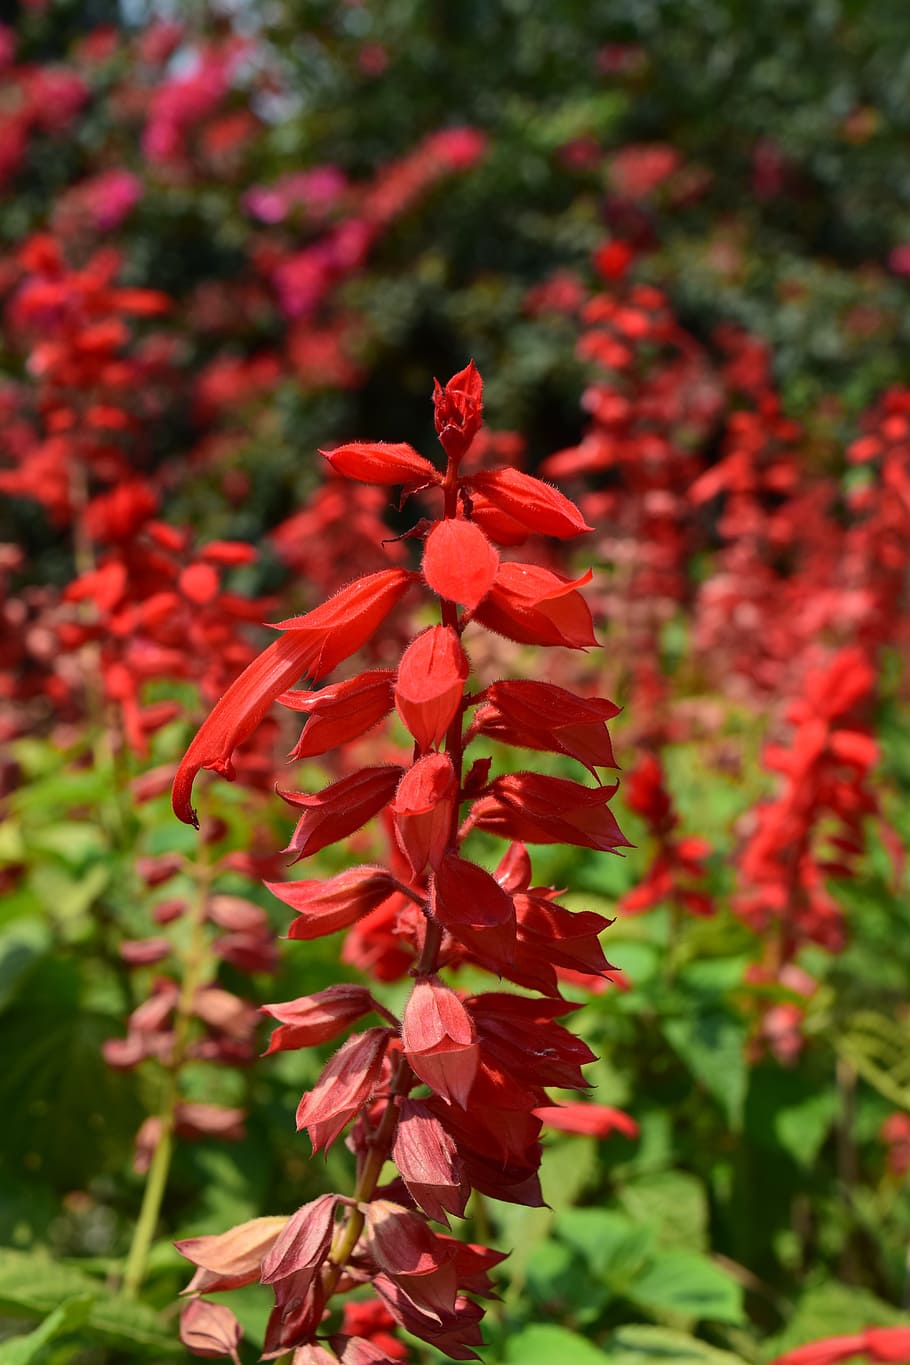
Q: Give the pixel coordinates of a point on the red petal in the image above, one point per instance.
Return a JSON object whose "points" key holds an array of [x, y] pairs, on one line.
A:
{"points": [[316, 1018], [534, 606], [210, 1330], [465, 894], [532, 502], [304, 1242], [334, 903], [381, 462], [341, 712], [346, 1084], [340, 809], [459, 563]]}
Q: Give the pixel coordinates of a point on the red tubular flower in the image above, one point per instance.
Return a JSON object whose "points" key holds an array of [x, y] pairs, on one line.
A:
{"points": [[313, 644]]}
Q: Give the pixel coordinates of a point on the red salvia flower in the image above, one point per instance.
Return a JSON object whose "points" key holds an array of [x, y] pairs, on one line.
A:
{"points": [[486, 1059]]}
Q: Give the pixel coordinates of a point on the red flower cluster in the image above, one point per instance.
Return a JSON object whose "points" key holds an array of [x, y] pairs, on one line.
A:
{"points": [[454, 1091], [814, 830]]}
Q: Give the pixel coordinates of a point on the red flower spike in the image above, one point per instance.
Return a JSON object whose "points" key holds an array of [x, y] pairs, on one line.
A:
{"points": [[342, 712], [428, 1162], [210, 1330], [230, 1259], [430, 684], [381, 462], [534, 606], [316, 1018], [549, 810], [438, 1039], [347, 1082], [335, 903], [423, 808], [459, 563], [304, 1242], [457, 410], [314, 644], [538, 715], [533, 503], [339, 809]]}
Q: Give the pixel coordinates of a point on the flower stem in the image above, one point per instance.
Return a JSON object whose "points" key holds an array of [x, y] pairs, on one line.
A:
{"points": [[160, 1166]]}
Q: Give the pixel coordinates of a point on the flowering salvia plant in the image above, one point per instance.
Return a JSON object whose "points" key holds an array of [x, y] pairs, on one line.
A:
{"points": [[453, 1092]]}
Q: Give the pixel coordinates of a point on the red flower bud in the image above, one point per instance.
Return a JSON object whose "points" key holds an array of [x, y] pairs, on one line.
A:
{"points": [[428, 1162], [459, 563], [381, 462], [457, 410], [430, 684], [438, 1039], [424, 807]]}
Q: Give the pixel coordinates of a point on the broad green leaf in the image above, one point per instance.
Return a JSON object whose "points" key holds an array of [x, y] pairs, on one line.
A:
{"points": [[688, 1284], [640, 1345], [31, 1284], [783, 1110], [614, 1247], [673, 1203], [69, 1316], [546, 1344], [712, 1044], [569, 1164]]}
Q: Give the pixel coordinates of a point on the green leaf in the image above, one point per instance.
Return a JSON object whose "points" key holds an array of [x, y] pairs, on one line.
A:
{"points": [[31, 1284], [712, 1044], [544, 1344], [640, 1345], [688, 1284], [782, 1110], [69, 1316], [673, 1203], [614, 1247]]}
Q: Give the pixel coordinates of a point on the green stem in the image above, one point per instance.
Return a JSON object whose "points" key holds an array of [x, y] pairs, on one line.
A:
{"points": [[159, 1169]]}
